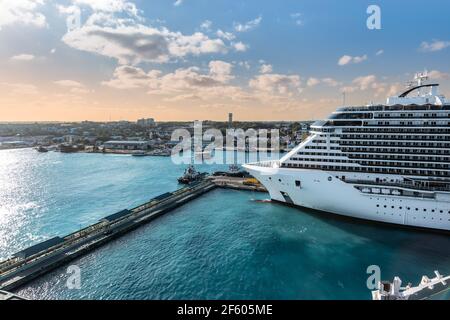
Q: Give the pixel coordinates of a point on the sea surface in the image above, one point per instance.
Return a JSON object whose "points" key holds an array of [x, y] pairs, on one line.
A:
{"points": [[223, 245]]}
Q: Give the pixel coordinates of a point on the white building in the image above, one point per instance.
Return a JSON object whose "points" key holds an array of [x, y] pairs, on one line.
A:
{"points": [[127, 145]]}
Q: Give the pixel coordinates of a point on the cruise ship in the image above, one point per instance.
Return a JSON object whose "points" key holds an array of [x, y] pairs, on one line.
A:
{"points": [[386, 163]]}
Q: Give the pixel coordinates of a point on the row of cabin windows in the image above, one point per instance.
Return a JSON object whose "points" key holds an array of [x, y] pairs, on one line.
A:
{"points": [[395, 144], [394, 123], [398, 130], [377, 163], [378, 155], [402, 157], [397, 150], [416, 209], [321, 148], [396, 137], [412, 115], [425, 173]]}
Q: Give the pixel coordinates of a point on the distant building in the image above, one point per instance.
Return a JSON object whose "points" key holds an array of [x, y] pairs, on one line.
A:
{"points": [[71, 138], [127, 145], [146, 122], [230, 120]]}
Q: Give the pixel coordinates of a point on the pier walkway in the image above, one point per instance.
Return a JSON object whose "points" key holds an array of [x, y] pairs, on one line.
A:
{"points": [[39, 259], [43, 257]]}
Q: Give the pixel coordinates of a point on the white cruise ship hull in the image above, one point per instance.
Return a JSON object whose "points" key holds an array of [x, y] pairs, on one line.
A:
{"points": [[320, 190]]}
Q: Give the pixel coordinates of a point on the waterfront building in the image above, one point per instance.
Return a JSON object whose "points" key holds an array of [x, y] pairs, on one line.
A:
{"points": [[127, 145]]}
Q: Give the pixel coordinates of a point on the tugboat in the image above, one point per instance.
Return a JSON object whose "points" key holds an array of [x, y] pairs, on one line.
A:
{"points": [[233, 171], [41, 149], [139, 154], [67, 148], [191, 175]]}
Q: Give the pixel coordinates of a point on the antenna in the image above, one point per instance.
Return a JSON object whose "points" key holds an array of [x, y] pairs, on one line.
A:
{"points": [[421, 77]]}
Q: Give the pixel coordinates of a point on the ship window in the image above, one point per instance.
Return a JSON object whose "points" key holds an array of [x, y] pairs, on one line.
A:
{"points": [[298, 183]]}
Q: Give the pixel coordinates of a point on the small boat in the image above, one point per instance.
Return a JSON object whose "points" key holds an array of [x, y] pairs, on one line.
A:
{"points": [[139, 154], [191, 175], [233, 171], [67, 148], [41, 149]]}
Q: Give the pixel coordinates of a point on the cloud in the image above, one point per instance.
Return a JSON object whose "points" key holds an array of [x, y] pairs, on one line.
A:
{"points": [[365, 82], [178, 3], [249, 25], [277, 84], [220, 70], [297, 17], [266, 68], [21, 12], [346, 59], [244, 64], [240, 47], [68, 83], [111, 6], [435, 45], [134, 44], [438, 75], [327, 81], [130, 77], [312, 82], [114, 29], [74, 87], [206, 25], [330, 82], [212, 86], [23, 57], [379, 52], [225, 35], [20, 88]]}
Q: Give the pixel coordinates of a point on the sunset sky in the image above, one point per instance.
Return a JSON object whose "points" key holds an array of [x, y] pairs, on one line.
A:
{"points": [[200, 59]]}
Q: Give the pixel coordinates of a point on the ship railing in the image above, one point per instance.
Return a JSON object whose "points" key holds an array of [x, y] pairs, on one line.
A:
{"points": [[407, 185], [266, 164]]}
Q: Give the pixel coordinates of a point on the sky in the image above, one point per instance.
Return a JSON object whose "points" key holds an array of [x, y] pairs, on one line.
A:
{"points": [[101, 60]]}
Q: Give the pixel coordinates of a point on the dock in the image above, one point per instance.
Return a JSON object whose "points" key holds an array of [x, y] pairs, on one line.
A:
{"points": [[237, 183], [39, 259], [44, 257]]}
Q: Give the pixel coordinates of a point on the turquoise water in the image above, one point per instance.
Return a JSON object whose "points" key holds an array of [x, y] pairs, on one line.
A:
{"points": [[224, 245]]}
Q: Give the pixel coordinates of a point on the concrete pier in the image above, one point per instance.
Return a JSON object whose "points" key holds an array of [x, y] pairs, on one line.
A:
{"points": [[247, 184], [32, 262], [41, 258]]}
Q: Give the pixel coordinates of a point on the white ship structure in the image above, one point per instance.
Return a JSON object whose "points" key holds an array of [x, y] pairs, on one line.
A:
{"points": [[387, 163]]}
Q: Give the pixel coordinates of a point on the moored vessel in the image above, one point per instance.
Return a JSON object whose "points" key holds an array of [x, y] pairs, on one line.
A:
{"points": [[387, 163]]}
